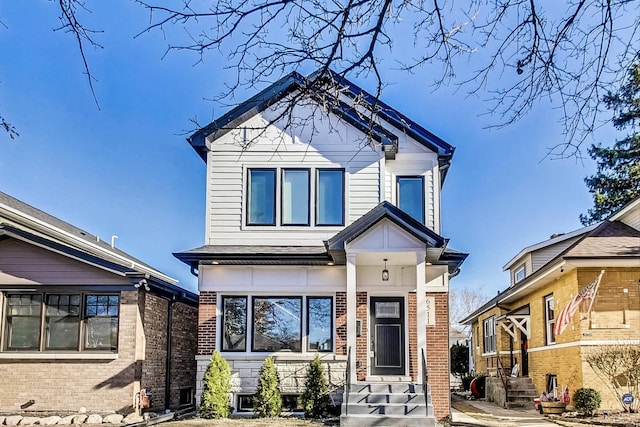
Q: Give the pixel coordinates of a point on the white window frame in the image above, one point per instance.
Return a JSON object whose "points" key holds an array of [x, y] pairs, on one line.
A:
{"points": [[522, 269], [549, 324], [489, 335]]}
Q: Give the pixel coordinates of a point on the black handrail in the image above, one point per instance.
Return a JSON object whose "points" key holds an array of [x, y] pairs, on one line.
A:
{"points": [[425, 381], [503, 378]]}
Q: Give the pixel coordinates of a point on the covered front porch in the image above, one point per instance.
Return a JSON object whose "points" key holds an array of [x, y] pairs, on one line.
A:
{"points": [[396, 316]]}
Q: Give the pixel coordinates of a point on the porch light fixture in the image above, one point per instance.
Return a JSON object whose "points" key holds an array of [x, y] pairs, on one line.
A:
{"points": [[385, 272]]}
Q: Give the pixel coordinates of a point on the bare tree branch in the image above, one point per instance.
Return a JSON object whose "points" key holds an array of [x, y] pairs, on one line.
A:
{"points": [[83, 35], [527, 51]]}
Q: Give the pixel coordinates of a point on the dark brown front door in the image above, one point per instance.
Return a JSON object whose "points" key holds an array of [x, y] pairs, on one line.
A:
{"points": [[387, 335]]}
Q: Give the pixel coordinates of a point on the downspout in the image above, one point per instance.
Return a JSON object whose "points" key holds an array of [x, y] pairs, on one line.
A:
{"points": [[167, 374]]}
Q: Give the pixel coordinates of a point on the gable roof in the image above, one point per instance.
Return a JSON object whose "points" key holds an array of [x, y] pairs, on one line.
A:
{"points": [[24, 222], [294, 82], [610, 238], [337, 244]]}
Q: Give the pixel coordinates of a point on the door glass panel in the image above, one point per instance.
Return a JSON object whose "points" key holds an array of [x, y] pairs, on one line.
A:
{"points": [[387, 310]]}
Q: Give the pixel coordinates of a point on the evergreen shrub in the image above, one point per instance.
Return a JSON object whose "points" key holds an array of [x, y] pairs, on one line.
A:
{"points": [[217, 386], [587, 400], [267, 402], [315, 398]]}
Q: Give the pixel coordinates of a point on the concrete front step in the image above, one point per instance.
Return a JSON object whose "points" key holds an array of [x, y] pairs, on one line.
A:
{"points": [[407, 410], [387, 421], [384, 388], [407, 398]]}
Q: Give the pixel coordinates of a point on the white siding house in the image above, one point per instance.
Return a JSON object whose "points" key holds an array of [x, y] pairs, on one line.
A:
{"points": [[318, 243]]}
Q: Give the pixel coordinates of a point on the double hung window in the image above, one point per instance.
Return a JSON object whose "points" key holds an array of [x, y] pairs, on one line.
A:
{"points": [[61, 322], [549, 319], [289, 197], [489, 327]]}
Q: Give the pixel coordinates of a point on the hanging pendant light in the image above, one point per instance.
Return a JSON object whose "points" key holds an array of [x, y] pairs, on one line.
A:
{"points": [[385, 272]]}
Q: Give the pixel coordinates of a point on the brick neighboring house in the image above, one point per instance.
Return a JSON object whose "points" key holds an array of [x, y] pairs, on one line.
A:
{"points": [[319, 245], [517, 326], [84, 324]]}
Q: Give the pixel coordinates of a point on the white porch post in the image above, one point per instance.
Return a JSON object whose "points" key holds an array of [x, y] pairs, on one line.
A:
{"points": [[421, 307], [351, 314]]}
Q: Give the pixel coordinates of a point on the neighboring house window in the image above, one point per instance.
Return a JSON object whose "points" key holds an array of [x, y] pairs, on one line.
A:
{"points": [[261, 201], [62, 322], [277, 323], [320, 323], [23, 322], [57, 321], [101, 322], [519, 274], [489, 335], [330, 197], [549, 319], [293, 194], [411, 196], [234, 320], [295, 197]]}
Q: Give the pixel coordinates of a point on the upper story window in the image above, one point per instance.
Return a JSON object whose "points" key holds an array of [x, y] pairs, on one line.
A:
{"points": [[411, 196], [295, 190], [519, 274], [549, 319], [50, 322], [261, 198], [489, 328]]}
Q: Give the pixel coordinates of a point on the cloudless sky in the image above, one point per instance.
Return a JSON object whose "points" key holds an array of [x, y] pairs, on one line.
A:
{"points": [[126, 169]]}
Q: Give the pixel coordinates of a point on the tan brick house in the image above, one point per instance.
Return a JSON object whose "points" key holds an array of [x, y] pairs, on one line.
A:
{"points": [[318, 244], [84, 324], [518, 326]]}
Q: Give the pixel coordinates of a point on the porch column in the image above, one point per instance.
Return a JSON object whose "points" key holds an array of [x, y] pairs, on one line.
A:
{"points": [[421, 307], [351, 314]]}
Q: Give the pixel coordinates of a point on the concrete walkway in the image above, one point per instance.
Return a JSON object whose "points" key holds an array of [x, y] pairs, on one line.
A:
{"points": [[481, 413]]}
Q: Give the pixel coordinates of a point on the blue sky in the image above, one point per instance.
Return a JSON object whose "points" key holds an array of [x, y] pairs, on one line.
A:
{"points": [[126, 169]]}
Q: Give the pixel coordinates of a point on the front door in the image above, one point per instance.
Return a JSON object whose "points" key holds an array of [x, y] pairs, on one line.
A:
{"points": [[387, 336]]}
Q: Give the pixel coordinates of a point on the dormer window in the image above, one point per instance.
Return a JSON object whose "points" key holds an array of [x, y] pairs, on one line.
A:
{"points": [[519, 274], [410, 195]]}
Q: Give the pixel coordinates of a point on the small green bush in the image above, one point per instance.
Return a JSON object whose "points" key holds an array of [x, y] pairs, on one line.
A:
{"points": [[315, 398], [587, 400], [217, 385], [267, 401]]}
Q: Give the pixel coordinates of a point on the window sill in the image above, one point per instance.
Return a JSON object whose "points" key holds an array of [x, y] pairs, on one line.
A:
{"points": [[57, 356], [277, 356]]}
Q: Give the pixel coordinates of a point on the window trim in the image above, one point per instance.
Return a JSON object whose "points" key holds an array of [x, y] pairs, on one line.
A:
{"points": [[43, 351], [274, 197], [317, 203], [308, 325], [523, 269], [282, 199], [424, 196], [549, 324], [491, 320], [246, 321]]}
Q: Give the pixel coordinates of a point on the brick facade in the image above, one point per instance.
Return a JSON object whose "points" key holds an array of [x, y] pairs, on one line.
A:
{"points": [[362, 355], [566, 357], [106, 383], [207, 311], [438, 356]]}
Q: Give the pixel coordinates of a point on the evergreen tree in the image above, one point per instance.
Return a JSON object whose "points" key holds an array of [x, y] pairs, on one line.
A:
{"points": [[459, 360], [217, 385], [267, 401], [617, 180], [315, 398]]}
